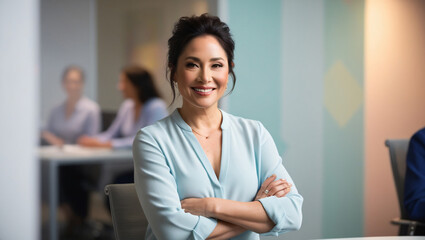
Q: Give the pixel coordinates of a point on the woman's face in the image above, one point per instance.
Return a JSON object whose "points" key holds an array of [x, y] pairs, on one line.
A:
{"points": [[202, 72], [73, 84], [126, 87]]}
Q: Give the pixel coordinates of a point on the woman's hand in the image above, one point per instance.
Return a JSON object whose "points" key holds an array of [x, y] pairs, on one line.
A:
{"points": [[198, 206], [92, 142], [270, 187], [52, 139]]}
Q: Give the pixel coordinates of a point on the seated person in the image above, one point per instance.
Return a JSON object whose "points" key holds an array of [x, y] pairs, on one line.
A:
{"points": [[142, 107], [75, 117], [414, 190]]}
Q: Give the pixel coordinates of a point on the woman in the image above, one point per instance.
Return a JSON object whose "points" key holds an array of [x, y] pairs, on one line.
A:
{"points": [[142, 107], [202, 173], [75, 117]]}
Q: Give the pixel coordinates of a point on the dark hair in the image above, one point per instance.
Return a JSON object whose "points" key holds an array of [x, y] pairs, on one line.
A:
{"points": [[188, 28], [142, 80], [73, 68]]}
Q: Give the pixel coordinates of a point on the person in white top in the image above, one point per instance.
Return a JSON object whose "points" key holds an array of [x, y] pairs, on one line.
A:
{"points": [[73, 118], [142, 107], [76, 116]]}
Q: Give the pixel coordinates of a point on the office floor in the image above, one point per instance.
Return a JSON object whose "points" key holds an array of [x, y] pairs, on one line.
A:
{"points": [[98, 225]]}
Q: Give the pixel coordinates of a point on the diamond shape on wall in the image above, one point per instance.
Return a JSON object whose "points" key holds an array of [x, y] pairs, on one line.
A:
{"points": [[343, 94]]}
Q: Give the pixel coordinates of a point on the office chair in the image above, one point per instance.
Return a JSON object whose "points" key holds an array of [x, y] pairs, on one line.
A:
{"points": [[127, 214], [107, 119], [398, 153]]}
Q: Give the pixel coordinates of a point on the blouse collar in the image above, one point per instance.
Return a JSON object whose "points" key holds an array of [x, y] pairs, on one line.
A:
{"points": [[177, 118]]}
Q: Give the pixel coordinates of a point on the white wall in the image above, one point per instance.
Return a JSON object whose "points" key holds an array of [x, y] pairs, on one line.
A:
{"points": [[19, 78], [67, 36], [302, 83]]}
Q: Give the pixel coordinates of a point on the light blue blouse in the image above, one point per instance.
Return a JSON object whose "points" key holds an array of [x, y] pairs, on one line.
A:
{"points": [[85, 120], [170, 165], [123, 129]]}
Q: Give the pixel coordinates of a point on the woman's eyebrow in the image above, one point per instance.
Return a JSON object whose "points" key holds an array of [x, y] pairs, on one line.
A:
{"points": [[198, 60], [216, 59], [193, 58]]}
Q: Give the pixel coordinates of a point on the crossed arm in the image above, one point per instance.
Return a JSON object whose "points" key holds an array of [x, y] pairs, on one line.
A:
{"points": [[171, 218], [235, 217]]}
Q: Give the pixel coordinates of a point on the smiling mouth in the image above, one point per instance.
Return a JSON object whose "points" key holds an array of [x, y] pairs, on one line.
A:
{"points": [[203, 91]]}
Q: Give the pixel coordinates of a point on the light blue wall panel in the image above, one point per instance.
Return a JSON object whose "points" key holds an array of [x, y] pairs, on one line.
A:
{"points": [[343, 119], [258, 62]]}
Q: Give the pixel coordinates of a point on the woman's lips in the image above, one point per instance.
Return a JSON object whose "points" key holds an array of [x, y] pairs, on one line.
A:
{"points": [[203, 91]]}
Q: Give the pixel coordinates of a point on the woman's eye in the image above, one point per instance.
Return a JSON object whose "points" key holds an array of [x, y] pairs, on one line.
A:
{"points": [[191, 65], [217, 65]]}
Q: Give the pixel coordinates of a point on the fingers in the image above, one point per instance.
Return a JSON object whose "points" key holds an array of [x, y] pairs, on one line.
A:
{"points": [[266, 183], [282, 193], [270, 187], [278, 188]]}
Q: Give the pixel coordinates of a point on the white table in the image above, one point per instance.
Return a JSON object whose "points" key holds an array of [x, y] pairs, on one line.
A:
{"points": [[53, 157]]}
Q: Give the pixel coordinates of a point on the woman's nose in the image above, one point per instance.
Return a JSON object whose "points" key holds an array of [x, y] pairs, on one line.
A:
{"points": [[205, 75]]}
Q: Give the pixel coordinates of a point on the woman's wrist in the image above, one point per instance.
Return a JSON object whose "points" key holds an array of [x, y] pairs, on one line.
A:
{"points": [[212, 207]]}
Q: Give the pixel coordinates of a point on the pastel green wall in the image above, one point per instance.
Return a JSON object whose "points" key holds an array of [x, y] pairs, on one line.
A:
{"points": [[343, 119]]}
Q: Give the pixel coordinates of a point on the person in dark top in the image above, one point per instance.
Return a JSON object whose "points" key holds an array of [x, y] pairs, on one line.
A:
{"points": [[414, 189]]}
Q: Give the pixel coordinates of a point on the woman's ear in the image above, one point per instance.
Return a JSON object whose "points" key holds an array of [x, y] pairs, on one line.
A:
{"points": [[233, 64]]}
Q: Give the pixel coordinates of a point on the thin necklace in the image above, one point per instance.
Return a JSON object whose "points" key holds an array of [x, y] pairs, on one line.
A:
{"points": [[206, 137]]}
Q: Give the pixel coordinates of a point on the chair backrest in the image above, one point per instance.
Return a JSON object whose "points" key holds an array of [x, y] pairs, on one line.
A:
{"points": [[127, 215], [107, 119], [398, 153]]}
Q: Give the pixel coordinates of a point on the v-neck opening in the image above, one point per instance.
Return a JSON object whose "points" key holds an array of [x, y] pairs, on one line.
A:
{"points": [[200, 151], [206, 161], [221, 155]]}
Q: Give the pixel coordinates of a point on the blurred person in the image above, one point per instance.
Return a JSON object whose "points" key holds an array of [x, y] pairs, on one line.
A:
{"points": [[414, 189], [76, 116], [142, 106]]}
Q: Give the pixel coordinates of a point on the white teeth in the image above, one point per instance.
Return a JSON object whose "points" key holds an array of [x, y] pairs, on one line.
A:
{"points": [[203, 90]]}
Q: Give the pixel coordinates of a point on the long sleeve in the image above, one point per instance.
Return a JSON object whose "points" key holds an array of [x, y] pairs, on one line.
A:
{"points": [[113, 133], [153, 111], [122, 131], [157, 191], [285, 212], [414, 190]]}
